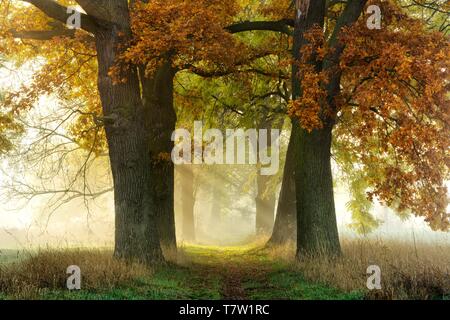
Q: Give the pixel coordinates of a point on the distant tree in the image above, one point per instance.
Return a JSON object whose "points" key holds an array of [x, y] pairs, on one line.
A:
{"points": [[285, 226], [187, 199]]}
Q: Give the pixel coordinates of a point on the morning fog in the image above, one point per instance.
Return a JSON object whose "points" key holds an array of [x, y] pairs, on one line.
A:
{"points": [[242, 146]]}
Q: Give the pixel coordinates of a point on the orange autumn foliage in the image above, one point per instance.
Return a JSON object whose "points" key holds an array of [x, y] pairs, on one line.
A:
{"points": [[187, 33], [312, 106]]}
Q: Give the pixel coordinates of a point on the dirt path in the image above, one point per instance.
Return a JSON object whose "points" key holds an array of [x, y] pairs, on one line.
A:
{"points": [[233, 268], [232, 288]]}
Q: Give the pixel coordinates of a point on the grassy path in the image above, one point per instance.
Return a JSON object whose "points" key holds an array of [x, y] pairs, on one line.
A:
{"points": [[233, 273], [246, 273], [233, 267]]}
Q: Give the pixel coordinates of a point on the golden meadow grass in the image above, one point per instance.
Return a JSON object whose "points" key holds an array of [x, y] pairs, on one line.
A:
{"points": [[46, 270], [408, 271]]}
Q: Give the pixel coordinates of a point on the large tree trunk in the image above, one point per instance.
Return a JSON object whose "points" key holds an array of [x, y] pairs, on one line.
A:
{"points": [[316, 217], [187, 202], [161, 122], [285, 228], [140, 119], [136, 234]]}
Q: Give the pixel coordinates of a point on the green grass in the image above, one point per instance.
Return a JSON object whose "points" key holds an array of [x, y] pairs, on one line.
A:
{"points": [[291, 285]]}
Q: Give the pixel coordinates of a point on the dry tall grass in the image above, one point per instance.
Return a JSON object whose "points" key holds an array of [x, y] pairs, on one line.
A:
{"points": [[47, 270], [408, 271]]}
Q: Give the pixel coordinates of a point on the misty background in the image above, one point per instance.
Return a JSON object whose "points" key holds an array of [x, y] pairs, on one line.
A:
{"points": [[48, 220]]}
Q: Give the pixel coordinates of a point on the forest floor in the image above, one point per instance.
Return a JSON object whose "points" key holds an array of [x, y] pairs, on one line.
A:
{"points": [[214, 273], [250, 273], [231, 273]]}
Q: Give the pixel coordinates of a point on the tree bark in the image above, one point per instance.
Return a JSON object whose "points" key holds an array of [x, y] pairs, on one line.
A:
{"points": [[316, 216], [136, 234], [285, 228], [161, 122], [145, 109]]}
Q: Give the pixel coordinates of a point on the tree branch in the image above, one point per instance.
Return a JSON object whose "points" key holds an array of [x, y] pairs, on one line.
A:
{"points": [[58, 12], [351, 13], [104, 10], [42, 34], [276, 26]]}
